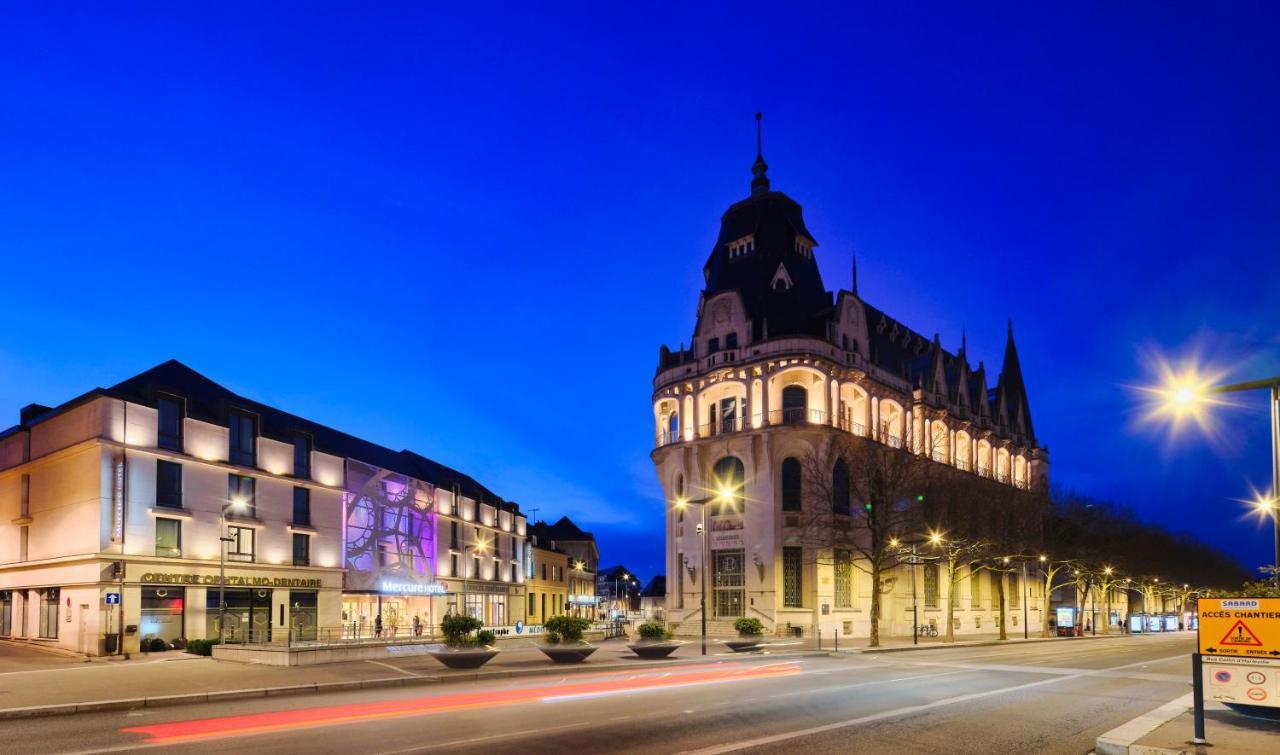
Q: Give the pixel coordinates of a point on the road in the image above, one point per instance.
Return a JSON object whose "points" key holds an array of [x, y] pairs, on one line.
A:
{"points": [[1051, 697]]}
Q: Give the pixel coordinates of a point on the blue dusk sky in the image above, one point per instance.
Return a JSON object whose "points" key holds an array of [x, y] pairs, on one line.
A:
{"points": [[466, 230]]}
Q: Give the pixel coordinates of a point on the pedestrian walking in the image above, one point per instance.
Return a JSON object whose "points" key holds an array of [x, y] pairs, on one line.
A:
{"points": [[417, 625], [377, 625]]}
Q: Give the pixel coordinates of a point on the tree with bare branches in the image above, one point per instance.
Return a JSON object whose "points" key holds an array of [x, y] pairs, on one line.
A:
{"points": [[860, 496]]}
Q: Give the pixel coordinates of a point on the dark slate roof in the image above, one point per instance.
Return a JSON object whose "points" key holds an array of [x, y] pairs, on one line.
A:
{"points": [[657, 587], [211, 402], [775, 220], [563, 530]]}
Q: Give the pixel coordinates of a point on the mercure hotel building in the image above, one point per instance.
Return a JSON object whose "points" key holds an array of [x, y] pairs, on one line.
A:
{"points": [[115, 504]]}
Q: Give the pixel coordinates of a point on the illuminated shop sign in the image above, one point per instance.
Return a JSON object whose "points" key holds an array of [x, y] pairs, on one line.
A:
{"points": [[582, 600], [212, 579], [411, 588], [117, 499]]}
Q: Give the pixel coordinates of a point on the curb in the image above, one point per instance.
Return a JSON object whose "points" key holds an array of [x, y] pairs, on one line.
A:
{"points": [[981, 644], [1120, 740], [38, 711]]}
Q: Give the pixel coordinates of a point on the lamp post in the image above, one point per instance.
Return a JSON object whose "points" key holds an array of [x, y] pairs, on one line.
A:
{"points": [[914, 558], [722, 497], [223, 539], [1187, 395]]}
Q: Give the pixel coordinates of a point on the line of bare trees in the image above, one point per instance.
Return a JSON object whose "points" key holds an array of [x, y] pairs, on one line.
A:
{"points": [[874, 507]]}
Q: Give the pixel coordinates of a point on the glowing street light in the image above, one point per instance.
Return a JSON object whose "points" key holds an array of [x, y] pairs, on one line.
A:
{"points": [[1190, 393], [724, 496]]}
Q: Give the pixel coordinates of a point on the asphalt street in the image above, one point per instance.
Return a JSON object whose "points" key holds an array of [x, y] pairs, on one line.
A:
{"points": [[1054, 697]]}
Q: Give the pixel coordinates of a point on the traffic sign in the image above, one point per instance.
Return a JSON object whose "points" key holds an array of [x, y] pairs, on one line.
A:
{"points": [[1240, 627], [111, 598]]}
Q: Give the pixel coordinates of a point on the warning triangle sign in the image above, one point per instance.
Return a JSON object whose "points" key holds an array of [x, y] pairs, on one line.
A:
{"points": [[1239, 634]]}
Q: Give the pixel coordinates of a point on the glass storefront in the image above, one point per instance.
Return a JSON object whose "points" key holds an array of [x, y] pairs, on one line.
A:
{"points": [[49, 613], [303, 614], [248, 615], [6, 613], [162, 613]]}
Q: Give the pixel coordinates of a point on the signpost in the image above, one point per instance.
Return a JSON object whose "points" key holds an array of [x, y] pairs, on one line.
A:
{"points": [[1239, 654]]}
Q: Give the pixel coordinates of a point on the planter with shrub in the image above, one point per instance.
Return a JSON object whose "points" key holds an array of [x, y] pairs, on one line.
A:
{"points": [[750, 631], [201, 647], [655, 641], [563, 641], [467, 647]]}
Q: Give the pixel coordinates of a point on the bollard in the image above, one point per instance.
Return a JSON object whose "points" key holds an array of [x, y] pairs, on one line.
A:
{"points": [[819, 638], [1197, 697], [837, 640]]}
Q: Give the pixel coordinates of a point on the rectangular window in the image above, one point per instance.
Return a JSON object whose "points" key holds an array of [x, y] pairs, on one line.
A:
{"points": [[544, 572], [49, 600], [302, 507], [844, 579], [241, 491], [453, 565], [243, 440], [453, 535], [930, 585], [168, 484], [240, 544], [24, 538], [169, 538], [301, 549], [302, 457], [513, 572], [169, 424], [1015, 592], [475, 567], [975, 588], [792, 565], [26, 495]]}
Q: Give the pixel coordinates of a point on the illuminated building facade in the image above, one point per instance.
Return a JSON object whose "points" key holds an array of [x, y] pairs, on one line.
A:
{"points": [[777, 367], [112, 506]]}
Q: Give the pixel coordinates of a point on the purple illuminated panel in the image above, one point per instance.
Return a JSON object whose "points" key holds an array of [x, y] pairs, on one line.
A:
{"points": [[390, 528]]}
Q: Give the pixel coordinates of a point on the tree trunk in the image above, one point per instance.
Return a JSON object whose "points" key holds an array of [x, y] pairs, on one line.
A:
{"points": [[1004, 634], [1105, 616], [952, 582], [1044, 606], [875, 605]]}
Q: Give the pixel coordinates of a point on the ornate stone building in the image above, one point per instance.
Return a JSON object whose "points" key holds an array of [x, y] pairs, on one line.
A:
{"points": [[778, 363]]}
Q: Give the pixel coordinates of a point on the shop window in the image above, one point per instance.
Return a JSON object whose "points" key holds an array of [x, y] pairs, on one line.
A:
{"points": [[248, 614], [169, 415], [49, 601], [6, 613], [303, 614], [302, 456], [168, 484], [240, 543], [169, 537], [301, 549], [302, 507], [243, 440], [162, 611]]}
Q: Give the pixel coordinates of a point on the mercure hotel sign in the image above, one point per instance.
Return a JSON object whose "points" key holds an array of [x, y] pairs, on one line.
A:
{"points": [[160, 578]]}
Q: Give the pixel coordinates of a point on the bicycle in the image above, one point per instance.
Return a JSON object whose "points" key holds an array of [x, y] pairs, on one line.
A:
{"points": [[927, 630]]}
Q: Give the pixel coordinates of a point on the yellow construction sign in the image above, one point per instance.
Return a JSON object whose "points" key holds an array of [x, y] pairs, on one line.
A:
{"points": [[1240, 627]]}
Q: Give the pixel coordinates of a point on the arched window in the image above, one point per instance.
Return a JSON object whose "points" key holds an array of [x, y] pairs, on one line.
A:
{"points": [[729, 477], [791, 485], [795, 399], [840, 488], [673, 427]]}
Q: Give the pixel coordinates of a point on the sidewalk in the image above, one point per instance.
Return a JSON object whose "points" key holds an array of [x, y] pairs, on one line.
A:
{"points": [[895, 644], [173, 677], [1167, 730]]}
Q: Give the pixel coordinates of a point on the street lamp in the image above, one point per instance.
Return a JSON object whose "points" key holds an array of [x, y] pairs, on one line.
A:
{"points": [[223, 538], [722, 497], [913, 558], [1188, 395]]}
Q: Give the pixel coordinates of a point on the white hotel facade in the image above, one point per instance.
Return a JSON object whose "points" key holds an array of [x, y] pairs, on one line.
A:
{"points": [[112, 506]]}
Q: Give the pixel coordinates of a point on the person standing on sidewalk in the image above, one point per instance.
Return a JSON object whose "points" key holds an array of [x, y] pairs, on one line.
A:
{"points": [[417, 625], [377, 625]]}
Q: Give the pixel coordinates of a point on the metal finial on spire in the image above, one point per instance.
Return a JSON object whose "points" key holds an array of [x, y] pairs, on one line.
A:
{"points": [[760, 182]]}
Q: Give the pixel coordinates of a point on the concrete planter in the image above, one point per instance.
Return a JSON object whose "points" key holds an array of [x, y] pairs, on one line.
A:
{"points": [[743, 644], [576, 653], [464, 658], [654, 650]]}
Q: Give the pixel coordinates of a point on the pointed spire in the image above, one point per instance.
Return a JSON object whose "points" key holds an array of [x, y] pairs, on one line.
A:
{"points": [[760, 182], [964, 344], [855, 275]]}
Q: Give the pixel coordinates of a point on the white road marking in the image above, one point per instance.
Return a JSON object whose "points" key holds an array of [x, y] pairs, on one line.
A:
{"points": [[774, 739], [393, 668]]}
